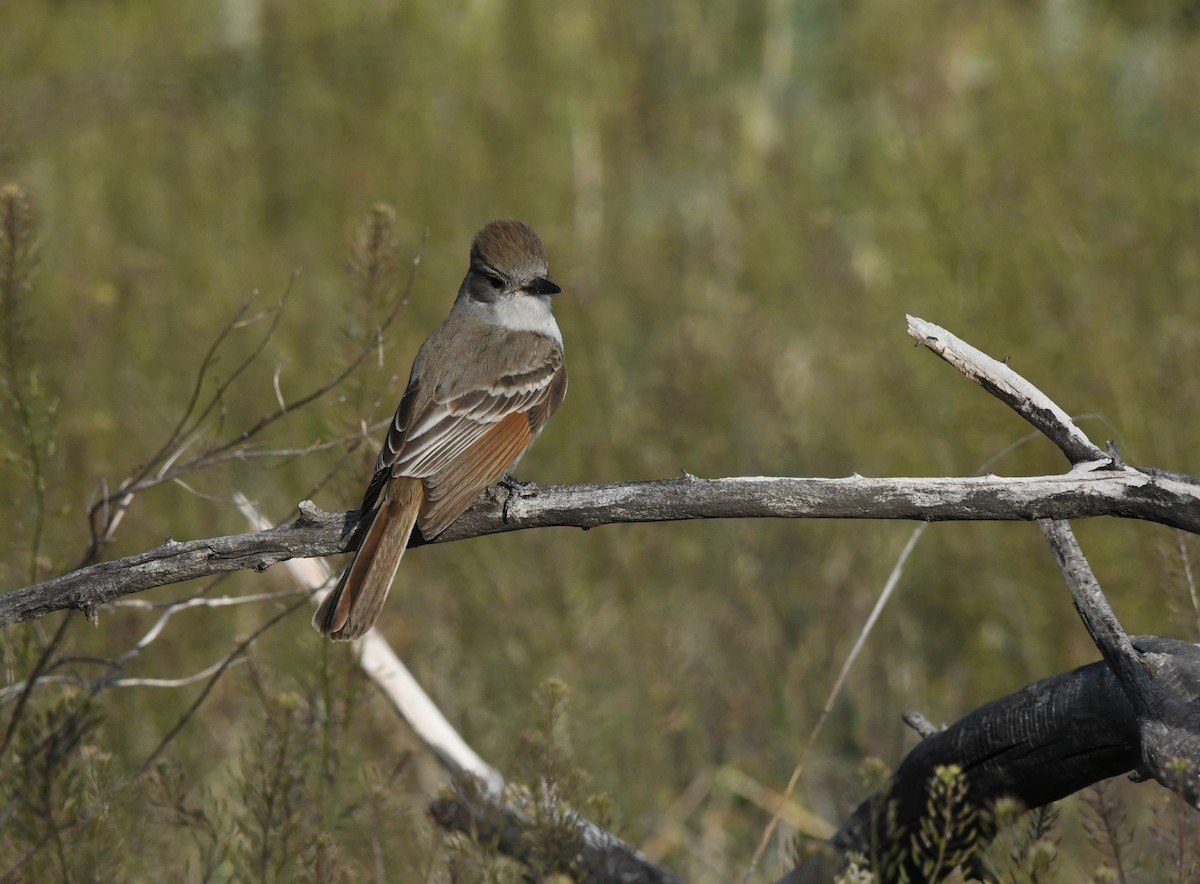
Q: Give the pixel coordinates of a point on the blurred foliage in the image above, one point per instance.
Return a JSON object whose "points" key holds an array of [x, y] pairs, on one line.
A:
{"points": [[741, 201]]}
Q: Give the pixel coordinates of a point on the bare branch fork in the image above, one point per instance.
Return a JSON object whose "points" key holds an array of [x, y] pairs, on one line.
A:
{"points": [[1162, 684], [1098, 484], [1137, 710]]}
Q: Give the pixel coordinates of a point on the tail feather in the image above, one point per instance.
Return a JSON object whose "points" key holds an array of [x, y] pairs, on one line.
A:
{"points": [[356, 602]]}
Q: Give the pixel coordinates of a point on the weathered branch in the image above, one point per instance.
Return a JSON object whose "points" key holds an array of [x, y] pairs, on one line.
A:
{"points": [[1164, 690], [1166, 498], [1010, 388], [584, 851], [1098, 616], [1098, 485], [1042, 743]]}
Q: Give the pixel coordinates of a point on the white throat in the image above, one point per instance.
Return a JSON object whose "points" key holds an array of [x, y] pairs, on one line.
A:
{"points": [[521, 313]]}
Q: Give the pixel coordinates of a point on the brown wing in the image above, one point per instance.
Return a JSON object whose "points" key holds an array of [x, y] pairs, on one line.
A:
{"points": [[429, 431], [459, 439], [457, 484], [454, 488]]}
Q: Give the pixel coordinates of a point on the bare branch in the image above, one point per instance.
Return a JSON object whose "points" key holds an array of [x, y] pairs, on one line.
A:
{"points": [[1011, 389], [380, 662], [122, 682], [1097, 615], [1161, 688], [87, 588], [596, 858], [1168, 499], [1114, 489], [1165, 498], [1037, 745], [919, 723]]}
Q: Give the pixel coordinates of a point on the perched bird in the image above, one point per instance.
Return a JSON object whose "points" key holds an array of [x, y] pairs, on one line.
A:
{"points": [[481, 389]]}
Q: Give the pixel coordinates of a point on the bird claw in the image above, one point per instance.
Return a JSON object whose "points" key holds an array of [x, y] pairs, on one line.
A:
{"points": [[517, 490], [517, 486]]}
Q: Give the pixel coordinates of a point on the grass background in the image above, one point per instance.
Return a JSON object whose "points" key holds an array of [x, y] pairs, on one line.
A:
{"points": [[741, 202]]}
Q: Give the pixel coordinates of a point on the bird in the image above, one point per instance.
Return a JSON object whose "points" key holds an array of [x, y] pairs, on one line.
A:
{"points": [[481, 389]]}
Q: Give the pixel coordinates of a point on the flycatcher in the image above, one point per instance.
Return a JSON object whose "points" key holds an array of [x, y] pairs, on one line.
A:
{"points": [[481, 389]]}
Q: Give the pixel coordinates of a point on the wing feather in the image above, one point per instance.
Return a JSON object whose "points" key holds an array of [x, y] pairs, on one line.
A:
{"points": [[460, 438], [456, 486]]}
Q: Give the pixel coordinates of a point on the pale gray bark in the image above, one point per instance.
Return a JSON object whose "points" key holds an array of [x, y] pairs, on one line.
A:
{"points": [[1124, 492]]}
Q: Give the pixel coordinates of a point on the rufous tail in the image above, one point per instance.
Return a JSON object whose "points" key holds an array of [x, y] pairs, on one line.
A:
{"points": [[356, 602]]}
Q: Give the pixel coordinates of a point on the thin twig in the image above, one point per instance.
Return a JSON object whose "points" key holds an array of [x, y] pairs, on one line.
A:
{"points": [[118, 682], [166, 465], [889, 587], [220, 670], [1189, 577], [38, 668]]}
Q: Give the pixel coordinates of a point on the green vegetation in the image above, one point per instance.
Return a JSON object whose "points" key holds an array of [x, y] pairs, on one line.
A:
{"points": [[741, 202]]}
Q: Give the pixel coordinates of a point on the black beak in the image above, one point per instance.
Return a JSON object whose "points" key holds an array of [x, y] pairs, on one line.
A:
{"points": [[542, 286]]}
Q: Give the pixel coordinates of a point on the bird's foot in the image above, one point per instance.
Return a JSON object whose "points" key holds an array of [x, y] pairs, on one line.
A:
{"points": [[517, 490], [517, 486]]}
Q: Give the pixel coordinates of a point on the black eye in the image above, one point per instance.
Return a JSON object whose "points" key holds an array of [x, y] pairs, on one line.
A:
{"points": [[494, 279]]}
